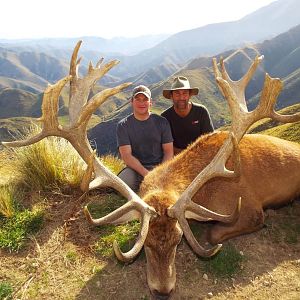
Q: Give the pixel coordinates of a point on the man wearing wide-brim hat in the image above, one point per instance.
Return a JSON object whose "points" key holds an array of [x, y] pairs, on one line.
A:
{"points": [[188, 120]]}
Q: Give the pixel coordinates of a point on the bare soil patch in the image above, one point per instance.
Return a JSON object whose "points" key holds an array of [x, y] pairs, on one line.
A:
{"points": [[59, 263]]}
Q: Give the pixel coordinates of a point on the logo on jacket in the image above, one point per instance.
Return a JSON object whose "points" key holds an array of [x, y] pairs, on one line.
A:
{"points": [[195, 122]]}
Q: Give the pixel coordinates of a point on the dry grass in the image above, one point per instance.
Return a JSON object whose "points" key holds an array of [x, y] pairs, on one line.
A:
{"points": [[113, 163], [50, 162], [7, 201]]}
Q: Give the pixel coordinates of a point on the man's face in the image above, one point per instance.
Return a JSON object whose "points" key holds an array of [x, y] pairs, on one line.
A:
{"points": [[180, 99], [141, 104]]}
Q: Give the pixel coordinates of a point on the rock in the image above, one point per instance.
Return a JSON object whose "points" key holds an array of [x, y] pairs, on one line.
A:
{"points": [[205, 276], [267, 283]]}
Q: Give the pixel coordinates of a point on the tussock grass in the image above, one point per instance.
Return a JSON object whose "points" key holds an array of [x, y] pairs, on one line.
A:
{"points": [[51, 162], [226, 263], [7, 201], [113, 163]]}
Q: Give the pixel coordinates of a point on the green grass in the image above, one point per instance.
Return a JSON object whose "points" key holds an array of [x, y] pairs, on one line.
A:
{"points": [[48, 164], [124, 234], [285, 230], [224, 264], [6, 290], [15, 230], [71, 256]]}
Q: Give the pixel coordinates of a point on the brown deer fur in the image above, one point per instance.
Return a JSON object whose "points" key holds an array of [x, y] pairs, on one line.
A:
{"points": [[270, 177]]}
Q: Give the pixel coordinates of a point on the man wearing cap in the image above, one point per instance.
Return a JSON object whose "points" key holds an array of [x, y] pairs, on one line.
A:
{"points": [[144, 139], [188, 120]]}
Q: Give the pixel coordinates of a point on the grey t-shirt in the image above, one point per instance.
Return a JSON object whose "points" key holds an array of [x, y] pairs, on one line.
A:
{"points": [[145, 137]]}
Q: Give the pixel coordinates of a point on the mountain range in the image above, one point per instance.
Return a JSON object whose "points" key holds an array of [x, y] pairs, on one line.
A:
{"points": [[26, 67]]}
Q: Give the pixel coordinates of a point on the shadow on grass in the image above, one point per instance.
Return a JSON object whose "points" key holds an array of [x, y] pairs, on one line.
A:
{"points": [[261, 253]]}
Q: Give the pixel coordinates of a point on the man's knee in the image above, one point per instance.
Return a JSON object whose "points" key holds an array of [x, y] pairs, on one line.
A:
{"points": [[131, 178]]}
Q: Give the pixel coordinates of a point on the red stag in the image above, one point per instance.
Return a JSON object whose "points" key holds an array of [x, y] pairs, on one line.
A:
{"points": [[196, 184]]}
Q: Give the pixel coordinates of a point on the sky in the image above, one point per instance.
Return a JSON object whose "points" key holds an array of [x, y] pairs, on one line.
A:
{"points": [[22, 19]]}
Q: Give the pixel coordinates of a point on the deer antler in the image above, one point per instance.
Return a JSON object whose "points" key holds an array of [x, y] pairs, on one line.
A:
{"points": [[242, 119], [80, 111]]}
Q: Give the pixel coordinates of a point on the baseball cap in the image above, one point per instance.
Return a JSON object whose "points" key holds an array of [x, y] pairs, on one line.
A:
{"points": [[141, 89]]}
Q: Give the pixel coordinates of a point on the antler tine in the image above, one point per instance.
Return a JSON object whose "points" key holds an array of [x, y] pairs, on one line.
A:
{"points": [[80, 87], [97, 100], [98, 64], [200, 213], [239, 86], [131, 254], [271, 90], [74, 63], [134, 209], [91, 68], [197, 248], [214, 169], [234, 94]]}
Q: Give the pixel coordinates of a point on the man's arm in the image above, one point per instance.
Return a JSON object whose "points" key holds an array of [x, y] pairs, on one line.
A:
{"points": [[177, 150], [131, 161], [207, 122], [168, 151]]}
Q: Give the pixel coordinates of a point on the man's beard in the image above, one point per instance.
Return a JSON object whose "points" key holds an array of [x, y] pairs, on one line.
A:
{"points": [[182, 104]]}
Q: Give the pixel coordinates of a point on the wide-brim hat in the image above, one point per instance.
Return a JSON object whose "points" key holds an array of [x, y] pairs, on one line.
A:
{"points": [[180, 83]]}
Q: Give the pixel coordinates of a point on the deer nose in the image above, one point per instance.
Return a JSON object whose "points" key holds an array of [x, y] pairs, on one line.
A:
{"points": [[161, 296]]}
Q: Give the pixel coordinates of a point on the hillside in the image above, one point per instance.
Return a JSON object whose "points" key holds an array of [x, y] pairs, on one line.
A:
{"points": [[10, 128], [16, 103], [289, 131], [34, 70]]}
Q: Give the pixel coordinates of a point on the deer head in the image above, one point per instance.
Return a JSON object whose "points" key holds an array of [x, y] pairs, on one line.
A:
{"points": [[163, 215]]}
